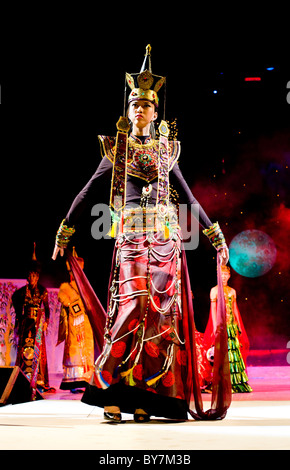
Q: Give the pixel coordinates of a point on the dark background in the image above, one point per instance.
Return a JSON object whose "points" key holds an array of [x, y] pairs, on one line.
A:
{"points": [[62, 83]]}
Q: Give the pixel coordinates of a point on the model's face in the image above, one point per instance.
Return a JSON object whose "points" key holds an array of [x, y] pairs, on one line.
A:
{"points": [[225, 277], [33, 279], [141, 114]]}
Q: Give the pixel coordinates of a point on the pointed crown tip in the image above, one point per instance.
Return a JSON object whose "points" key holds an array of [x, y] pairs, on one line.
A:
{"points": [[148, 49]]}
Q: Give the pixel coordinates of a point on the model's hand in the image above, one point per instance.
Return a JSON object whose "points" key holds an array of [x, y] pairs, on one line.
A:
{"points": [[224, 256], [57, 250]]}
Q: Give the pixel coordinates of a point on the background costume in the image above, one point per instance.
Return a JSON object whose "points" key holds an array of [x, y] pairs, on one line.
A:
{"points": [[238, 343], [76, 331], [148, 352], [31, 309]]}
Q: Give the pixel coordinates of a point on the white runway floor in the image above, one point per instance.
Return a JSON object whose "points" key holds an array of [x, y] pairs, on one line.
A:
{"points": [[256, 421]]}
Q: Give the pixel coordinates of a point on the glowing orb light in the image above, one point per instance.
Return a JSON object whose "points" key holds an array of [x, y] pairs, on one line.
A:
{"points": [[252, 253]]}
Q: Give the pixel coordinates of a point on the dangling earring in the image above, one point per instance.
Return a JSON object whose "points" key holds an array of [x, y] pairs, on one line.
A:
{"points": [[130, 122], [131, 125], [152, 130]]}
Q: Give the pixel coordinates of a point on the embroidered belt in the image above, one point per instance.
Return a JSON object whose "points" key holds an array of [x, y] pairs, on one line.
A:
{"points": [[149, 219]]}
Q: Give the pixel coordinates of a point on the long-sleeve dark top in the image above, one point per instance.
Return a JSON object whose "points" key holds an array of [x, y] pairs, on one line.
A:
{"points": [[94, 188]]}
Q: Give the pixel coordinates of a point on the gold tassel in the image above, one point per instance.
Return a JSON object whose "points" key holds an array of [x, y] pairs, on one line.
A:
{"points": [[166, 231], [126, 372], [154, 380], [130, 379], [113, 231], [166, 228]]}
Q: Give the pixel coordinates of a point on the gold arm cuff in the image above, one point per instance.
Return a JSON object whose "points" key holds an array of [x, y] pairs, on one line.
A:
{"points": [[64, 235], [216, 236]]}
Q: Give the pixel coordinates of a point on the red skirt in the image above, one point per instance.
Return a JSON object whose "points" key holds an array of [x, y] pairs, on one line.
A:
{"points": [[145, 345], [149, 356]]}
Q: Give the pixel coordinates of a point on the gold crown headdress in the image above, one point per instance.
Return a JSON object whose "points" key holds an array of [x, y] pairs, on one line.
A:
{"points": [[144, 85]]}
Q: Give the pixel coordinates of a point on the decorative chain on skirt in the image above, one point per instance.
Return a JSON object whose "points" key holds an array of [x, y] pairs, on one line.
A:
{"points": [[144, 344]]}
